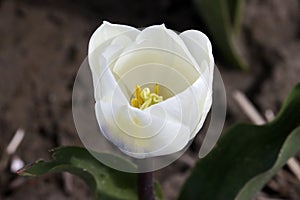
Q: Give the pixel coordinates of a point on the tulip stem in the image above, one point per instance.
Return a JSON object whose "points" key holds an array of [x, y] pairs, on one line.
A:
{"points": [[145, 186]]}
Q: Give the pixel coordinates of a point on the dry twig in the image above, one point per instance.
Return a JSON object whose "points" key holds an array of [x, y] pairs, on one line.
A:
{"points": [[11, 148]]}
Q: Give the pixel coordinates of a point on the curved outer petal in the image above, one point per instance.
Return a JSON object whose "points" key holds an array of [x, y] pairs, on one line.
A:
{"points": [[107, 31], [201, 49], [108, 40], [163, 128]]}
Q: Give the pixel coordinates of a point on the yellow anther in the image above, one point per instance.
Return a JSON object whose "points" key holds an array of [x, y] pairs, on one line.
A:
{"points": [[144, 98]]}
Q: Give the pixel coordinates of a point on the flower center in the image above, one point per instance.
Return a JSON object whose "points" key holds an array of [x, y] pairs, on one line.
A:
{"points": [[145, 98]]}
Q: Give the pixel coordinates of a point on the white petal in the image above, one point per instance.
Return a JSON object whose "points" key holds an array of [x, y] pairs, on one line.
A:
{"points": [[146, 140], [107, 31], [155, 73], [105, 45], [176, 145], [200, 47], [205, 110], [103, 79], [158, 45]]}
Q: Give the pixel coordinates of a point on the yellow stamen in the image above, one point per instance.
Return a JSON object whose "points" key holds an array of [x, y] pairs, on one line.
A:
{"points": [[156, 89], [144, 98], [135, 103], [138, 96], [146, 104]]}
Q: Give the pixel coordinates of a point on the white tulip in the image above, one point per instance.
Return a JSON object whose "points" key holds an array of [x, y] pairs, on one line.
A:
{"points": [[122, 57]]}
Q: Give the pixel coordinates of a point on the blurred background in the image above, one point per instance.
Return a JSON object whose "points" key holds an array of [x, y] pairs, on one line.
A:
{"points": [[42, 44]]}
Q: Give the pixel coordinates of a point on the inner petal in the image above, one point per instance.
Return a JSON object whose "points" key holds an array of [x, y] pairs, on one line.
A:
{"points": [[130, 60], [170, 80]]}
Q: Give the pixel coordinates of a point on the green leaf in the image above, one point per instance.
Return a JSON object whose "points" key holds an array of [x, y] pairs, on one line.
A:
{"points": [[106, 183], [290, 148], [222, 19], [235, 8], [158, 191], [246, 157]]}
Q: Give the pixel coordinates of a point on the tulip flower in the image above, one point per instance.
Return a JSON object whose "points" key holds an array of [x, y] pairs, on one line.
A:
{"points": [[152, 87]]}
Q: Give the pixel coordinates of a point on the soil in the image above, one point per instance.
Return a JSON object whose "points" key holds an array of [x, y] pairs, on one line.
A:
{"points": [[44, 42]]}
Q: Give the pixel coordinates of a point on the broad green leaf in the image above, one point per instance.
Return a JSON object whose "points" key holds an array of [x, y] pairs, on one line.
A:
{"points": [[246, 157], [106, 183], [255, 184], [222, 19]]}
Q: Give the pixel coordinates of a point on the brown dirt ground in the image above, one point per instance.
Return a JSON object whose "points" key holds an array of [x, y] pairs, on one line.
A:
{"points": [[44, 42]]}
